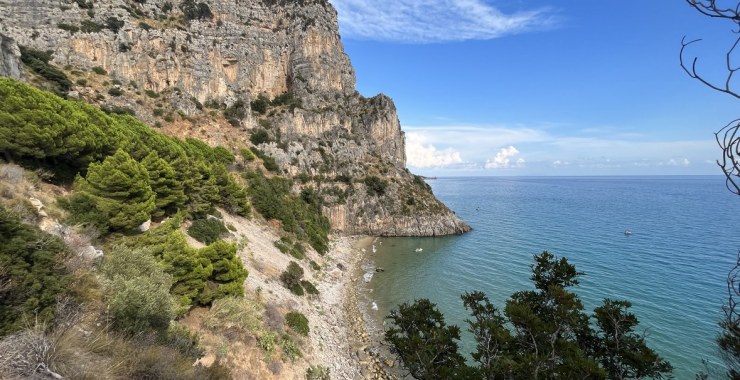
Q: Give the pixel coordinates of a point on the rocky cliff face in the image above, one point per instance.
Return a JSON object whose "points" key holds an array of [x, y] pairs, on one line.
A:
{"points": [[10, 58], [273, 68]]}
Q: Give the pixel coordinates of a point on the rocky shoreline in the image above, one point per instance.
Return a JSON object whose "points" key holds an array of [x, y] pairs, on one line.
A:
{"points": [[341, 339]]}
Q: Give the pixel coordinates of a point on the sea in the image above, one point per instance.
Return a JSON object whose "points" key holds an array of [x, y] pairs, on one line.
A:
{"points": [[672, 266]]}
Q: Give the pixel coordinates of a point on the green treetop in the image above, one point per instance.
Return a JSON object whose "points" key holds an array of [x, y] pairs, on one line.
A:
{"points": [[120, 187]]}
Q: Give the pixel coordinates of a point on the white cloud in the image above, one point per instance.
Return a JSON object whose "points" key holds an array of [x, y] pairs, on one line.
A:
{"points": [[505, 159], [678, 162], [551, 148], [420, 154], [433, 20]]}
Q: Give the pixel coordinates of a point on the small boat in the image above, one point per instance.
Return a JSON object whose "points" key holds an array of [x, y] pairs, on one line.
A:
{"points": [[627, 232], [418, 249]]}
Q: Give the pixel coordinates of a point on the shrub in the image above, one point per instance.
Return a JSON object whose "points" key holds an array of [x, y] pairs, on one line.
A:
{"points": [[115, 91], [236, 111], [195, 11], [31, 272], [309, 287], [207, 230], [260, 104], [87, 26], [247, 154], [99, 70], [317, 372], [273, 199], [260, 136], [83, 211], [314, 265], [227, 278], [375, 185], [297, 322], [290, 349], [68, 27], [186, 342], [114, 24], [292, 276], [139, 298], [151, 94], [287, 246]]}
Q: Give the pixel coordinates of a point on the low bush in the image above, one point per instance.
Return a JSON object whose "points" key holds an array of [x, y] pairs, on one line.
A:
{"points": [[31, 272], [375, 185], [309, 287], [260, 136], [207, 230], [247, 154], [115, 91], [139, 291], [317, 372], [297, 322], [99, 70], [291, 278]]}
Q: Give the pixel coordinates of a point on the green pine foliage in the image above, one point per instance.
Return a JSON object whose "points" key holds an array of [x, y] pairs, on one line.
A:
{"points": [[207, 230], [227, 278], [199, 275], [38, 62], [543, 333], [272, 198], [39, 129], [170, 193], [32, 274], [120, 188]]}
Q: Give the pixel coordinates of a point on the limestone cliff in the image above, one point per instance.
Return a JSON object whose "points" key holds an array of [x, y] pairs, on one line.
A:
{"points": [[229, 70], [10, 58]]}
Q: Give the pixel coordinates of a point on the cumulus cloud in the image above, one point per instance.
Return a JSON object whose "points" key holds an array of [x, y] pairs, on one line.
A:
{"points": [[505, 158], [421, 154], [433, 20], [678, 162]]}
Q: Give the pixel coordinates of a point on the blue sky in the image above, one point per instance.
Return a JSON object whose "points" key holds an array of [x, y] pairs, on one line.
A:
{"points": [[578, 87]]}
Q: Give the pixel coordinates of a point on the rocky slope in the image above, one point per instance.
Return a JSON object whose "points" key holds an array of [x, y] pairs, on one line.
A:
{"points": [[267, 74]]}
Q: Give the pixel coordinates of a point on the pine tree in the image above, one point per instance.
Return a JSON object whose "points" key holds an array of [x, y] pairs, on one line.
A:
{"points": [[120, 187], [170, 195], [228, 274]]}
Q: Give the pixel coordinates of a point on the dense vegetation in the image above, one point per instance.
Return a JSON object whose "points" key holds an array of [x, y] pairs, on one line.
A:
{"points": [[38, 129], [32, 274], [301, 216], [199, 276], [122, 174], [542, 333]]}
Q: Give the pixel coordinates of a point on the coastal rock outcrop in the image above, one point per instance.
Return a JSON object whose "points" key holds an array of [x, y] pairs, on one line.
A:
{"points": [[228, 70]]}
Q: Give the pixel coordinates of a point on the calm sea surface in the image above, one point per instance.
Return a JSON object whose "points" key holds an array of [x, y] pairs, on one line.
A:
{"points": [[673, 267]]}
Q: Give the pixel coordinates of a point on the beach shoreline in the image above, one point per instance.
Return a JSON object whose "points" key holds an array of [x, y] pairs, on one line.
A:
{"points": [[341, 339]]}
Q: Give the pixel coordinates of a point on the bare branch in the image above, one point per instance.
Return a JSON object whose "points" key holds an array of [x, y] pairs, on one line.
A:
{"points": [[728, 138], [692, 72], [711, 9]]}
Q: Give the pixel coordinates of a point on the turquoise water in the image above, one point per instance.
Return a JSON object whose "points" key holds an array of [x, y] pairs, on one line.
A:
{"points": [[673, 267]]}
